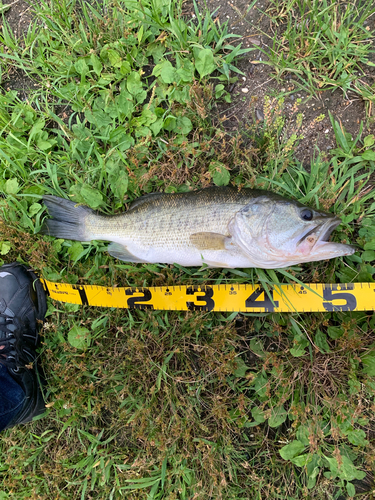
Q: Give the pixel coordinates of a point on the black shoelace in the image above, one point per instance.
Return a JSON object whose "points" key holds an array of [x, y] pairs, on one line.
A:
{"points": [[13, 351]]}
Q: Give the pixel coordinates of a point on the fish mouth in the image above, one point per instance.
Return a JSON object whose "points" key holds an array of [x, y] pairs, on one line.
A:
{"points": [[316, 241], [326, 229], [320, 233]]}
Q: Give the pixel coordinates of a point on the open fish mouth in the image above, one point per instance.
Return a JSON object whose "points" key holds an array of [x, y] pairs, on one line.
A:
{"points": [[319, 234], [326, 229]]}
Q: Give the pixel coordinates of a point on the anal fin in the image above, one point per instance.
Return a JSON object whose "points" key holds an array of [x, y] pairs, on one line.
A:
{"points": [[122, 253]]}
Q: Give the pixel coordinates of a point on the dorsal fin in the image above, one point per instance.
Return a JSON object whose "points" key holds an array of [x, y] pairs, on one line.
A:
{"points": [[146, 197]]}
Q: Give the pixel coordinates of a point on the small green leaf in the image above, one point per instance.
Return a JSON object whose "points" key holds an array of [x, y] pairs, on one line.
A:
{"points": [[299, 345], [335, 332], [91, 196], [170, 123], [4, 247], [96, 64], [114, 58], [75, 250], [321, 342], [256, 345], [368, 141], [278, 416], [241, 368], [350, 489], [368, 256], [183, 125], [79, 337], [12, 186], [357, 437], [292, 449], [368, 155], [81, 67], [167, 72], [219, 173], [134, 84], [204, 62], [301, 460], [258, 415], [346, 470], [34, 209]]}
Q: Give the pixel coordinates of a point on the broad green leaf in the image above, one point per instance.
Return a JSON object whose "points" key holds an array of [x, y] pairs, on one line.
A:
{"points": [[134, 84], [157, 126], [81, 67], [5, 247], [91, 196], [350, 489], [278, 416], [219, 173], [258, 415], [256, 345], [259, 385], [299, 345], [368, 155], [346, 470], [167, 72], [303, 434], [301, 460], [125, 104], [357, 437], [184, 125], [292, 450], [368, 256], [75, 250], [241, 368], [96, 64], [12, 186], [34, 209], [170, 123], [79, 337], [114, 58], [368, 141], [204, 62]]}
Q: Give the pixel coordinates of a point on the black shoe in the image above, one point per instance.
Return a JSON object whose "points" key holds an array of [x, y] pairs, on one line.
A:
{"points": [[22, 310]]}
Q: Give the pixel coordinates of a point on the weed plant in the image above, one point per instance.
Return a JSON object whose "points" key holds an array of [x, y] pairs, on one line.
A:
{"points": [[321, 44], [171, 405]]}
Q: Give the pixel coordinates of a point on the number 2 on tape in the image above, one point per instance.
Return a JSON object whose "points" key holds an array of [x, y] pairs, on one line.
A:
{"points": [[137, 302]]}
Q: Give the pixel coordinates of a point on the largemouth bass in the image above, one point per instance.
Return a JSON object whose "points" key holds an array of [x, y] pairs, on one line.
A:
{"points": [[219, 227]]}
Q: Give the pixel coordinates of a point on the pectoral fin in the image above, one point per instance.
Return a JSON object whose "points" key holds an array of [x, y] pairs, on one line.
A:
{"points": [[209, 241], [122, 253]]}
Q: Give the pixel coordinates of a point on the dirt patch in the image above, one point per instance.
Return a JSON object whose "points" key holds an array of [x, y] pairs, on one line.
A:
{"points": [[256, 31]]}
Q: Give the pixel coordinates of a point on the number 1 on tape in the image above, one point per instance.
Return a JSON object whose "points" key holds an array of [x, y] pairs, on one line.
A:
{"points": [[242, 298]]}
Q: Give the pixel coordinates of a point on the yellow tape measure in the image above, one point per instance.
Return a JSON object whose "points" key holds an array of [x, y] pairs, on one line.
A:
{"points": [[311, 297]]}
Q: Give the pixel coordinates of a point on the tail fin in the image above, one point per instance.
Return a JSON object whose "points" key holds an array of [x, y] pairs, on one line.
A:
{"points": [[68, 220]]}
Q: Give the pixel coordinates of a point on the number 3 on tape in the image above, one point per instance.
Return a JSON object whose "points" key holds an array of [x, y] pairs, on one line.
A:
{"points": [[205, 302]]}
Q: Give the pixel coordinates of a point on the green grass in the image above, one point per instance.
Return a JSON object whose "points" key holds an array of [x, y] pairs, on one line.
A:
{"points": [[170, 405]]}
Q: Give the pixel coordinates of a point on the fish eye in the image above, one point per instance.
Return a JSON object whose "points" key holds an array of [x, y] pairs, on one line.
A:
{"points": [[306, 214]]}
